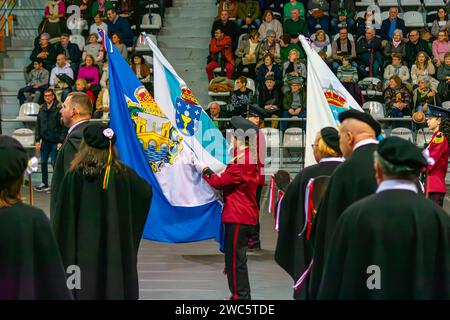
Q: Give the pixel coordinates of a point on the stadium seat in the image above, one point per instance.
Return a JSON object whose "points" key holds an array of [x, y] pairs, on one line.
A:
{"points": [[148, 59], [376, 109], [364, 3], [79, 40], [430, 17], [387, 3], [151, 25], [384, 15], [293, 138], [413, 19], [403, 133], [272, 137], [446, 104], [24, 136], [410, 3], [423, 137], [434, 3], [28, 111]]}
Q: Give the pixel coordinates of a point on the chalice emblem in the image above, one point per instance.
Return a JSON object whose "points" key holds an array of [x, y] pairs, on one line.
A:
{"points": [[186, 119]]}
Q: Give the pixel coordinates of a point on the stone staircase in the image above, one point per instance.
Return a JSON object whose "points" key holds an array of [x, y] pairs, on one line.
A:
{"points": [[29, 15], [184, 40]]}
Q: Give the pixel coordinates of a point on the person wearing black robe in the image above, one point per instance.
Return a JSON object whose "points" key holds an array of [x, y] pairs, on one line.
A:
{"points": [[99, 218], [394, 244], [75, 113], [293, 252], [353, 180], [30, 263]]}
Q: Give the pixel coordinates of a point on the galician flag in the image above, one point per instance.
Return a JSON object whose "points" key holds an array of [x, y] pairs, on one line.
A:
{"points": [[326, 98]]}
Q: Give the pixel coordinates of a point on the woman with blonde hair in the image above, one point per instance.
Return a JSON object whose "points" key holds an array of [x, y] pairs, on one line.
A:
{"points": [[423, 67]]}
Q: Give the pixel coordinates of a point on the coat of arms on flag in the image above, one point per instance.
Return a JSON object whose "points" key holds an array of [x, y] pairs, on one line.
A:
{"points": [[336, 101], [188, 113]]}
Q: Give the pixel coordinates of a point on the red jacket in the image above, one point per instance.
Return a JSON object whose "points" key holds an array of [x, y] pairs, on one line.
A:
{"points": [[438, 149], [216, 46], [238, 183]]}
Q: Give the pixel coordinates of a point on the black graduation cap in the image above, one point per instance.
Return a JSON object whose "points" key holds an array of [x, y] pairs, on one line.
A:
{"points": [[361, 116], [402, 154], [331, 137], [13, 159], [434, 111], [239, 123], [256, 111], [98, 135]]}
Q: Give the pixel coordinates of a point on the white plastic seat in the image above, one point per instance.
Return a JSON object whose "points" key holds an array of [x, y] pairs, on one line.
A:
{"points": [[293, 138], [387, 3], [364, 3], [413, 19], [148, 59], [154, 24], [403, 133], [384, 15], [433, 3], [410, 3], [272, 137], [423, 137], [446, 104], [376, 109], [79, 40], [28, 111], [25, 136]]}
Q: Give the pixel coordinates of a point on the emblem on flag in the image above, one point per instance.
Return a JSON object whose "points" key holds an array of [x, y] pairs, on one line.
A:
{"points": [[187, 114]]}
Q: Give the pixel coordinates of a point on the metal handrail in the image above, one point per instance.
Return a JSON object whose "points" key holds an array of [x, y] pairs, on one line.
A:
{"points": [[6, 7]]}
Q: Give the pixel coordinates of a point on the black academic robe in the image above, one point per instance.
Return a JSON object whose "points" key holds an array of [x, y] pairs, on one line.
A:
{"points": [[294, 253], [352, 181], [30, 262], [65, 156], [100, 231], [400, 232]]}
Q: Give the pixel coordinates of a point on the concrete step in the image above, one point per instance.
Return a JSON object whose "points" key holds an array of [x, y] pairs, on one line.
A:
{"points": [[11, 74], [186, 44], [170, 22], [31, 3], [18, 53], [184, 31], [204, 10], [187, 15], [11, 85], [180, 3], [184, 53], [16, 63], [20, 42]]}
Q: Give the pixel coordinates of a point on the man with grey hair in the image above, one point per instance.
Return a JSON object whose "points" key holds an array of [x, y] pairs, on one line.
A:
{"points": [[43, 51], [75, 114], [368, 51], [391, 23], [393, 244]]}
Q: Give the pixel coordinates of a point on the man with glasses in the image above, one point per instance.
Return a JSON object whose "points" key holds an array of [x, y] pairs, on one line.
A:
{"points": [[414, 46], [49, 135]]}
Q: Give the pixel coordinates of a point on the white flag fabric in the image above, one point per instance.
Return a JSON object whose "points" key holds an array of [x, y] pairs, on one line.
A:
{"points": [[326, 98]]}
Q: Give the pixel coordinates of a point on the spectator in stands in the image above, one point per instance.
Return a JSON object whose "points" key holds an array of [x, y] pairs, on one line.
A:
{"points": [[286, 46], [396, 45], [271, 99], [241, 98], [98, 24], [102, 7], [276, 6], [441, 23], [94, 49], [230, 6], [70, 50], [342, 47], [249, 12], [228, 27], [81, 85], [142, 70], [61, 78], [322, 44], [396, 68], [348, 75], [102, 104], [214, 112], [389, 25], [269, 69], [368, 51], [414, 46], [248, 54], [89, 71], [117, 41], [293, 4], [220, 54], [317, 17], [125, 9], [292, 68], [80, 23], [443, 75], [440, 47], [270, 46], [342, 13], [423, 94], [295, 26], [54, 23], [49, 135], [423, 67], [45, 52], [36, 82], [371, 19], [294, 103], [117, 24], [397, 99], [269, 23]]}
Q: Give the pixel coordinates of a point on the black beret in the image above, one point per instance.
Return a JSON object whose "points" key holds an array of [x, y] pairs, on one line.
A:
{"points": [[361, 116], [331, 137], [13, 159], [402, 155], [244, 124], [439, 112], [256, 111], [98, 135]]}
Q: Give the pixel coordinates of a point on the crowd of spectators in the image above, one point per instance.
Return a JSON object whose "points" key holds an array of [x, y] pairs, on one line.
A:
{"points": [[258, 40]]}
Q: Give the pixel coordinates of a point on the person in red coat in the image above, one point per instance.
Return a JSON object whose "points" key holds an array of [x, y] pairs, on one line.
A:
{"points": [[438, 120], [220, 51], [240, 212]]}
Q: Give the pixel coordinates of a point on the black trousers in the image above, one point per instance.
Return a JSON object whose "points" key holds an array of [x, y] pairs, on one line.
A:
{"points": [[255, 241], [236, 240], [437, 197]]}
